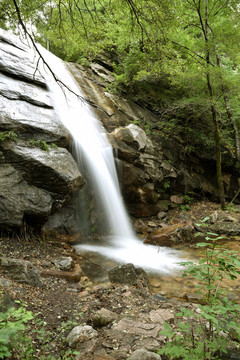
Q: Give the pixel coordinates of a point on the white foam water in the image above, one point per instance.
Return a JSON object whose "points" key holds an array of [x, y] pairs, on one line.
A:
{"points": [[93, 148]]}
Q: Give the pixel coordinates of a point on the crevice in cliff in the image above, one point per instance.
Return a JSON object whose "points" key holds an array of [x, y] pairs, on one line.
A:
{"points": [[28, 79], [8, 41], [29, 100]]}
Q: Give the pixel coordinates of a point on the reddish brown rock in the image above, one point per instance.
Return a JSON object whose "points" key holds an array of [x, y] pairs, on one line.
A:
{"points": [[171, 235], [74, 275]]}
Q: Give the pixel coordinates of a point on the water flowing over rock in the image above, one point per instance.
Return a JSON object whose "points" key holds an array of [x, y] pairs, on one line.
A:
{"points": [[34, 183], [142, 166], [150, 167]]}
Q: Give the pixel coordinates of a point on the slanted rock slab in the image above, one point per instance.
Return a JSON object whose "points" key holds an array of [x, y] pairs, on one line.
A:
{"points": [[133, 327], [21, 271]]}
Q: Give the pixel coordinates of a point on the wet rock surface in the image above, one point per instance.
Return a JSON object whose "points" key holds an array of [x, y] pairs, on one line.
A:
{"points": [[128, 274], [34, 183], [171, 235]]}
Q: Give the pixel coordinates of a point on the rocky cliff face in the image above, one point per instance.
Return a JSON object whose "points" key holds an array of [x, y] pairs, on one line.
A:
{"points": [[38, 174], [152, 167], [36, 178]]}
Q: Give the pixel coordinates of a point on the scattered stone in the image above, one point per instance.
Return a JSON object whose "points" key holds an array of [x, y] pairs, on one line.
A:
{"points": [[140, 226], [213, 217], [225, 228], [161, 315], [161, 215], [21, 271], [104, 317], [231, 355], [160, 297], [83, 338], [177, 199], [193, 298], [149, 343], [128, 274], [152, 224], [5, 283], [7, 302], [164, 205], [64, 264], [143, 354], [94, 357], [122, 352]]}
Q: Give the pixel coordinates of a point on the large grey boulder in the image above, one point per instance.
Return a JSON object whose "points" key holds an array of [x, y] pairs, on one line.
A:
{"points": [[143, 167], [54, 170], [18, 199], [31, 121]]}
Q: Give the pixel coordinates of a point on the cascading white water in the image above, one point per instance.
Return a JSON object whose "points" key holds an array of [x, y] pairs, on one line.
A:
{"points": [[92, 146]]}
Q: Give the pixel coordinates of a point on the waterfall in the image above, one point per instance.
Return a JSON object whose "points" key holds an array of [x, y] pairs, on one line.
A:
{"points": [[93, 149]]}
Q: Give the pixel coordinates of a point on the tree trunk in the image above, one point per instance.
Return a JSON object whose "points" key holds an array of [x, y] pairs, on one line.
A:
{"points": [[218, 158], [217, 145], [205, 29], [229, 114], [233, 123]]}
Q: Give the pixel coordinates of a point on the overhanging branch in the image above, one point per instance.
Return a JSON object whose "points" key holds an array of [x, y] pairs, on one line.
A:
{"points": [[60, 82]]}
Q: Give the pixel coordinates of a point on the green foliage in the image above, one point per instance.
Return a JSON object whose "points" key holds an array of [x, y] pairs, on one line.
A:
{"points": [[12, 324], [41, 144], [24, 336], [185, 207], [232, 208], [207, 331], [166, 184], [8, 136]]}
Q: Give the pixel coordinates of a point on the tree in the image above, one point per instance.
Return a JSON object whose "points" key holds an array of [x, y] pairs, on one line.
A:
{"points": [[209, 16]]}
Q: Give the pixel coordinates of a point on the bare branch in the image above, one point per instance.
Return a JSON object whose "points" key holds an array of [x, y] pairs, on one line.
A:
{"points": [[60, 82]]}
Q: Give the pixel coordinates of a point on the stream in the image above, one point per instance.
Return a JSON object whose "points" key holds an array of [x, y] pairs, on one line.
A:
{"points": [[167, 281]]}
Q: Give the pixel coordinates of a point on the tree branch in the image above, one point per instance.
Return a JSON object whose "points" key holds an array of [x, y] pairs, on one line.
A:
{"points": [[60, 82]]}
